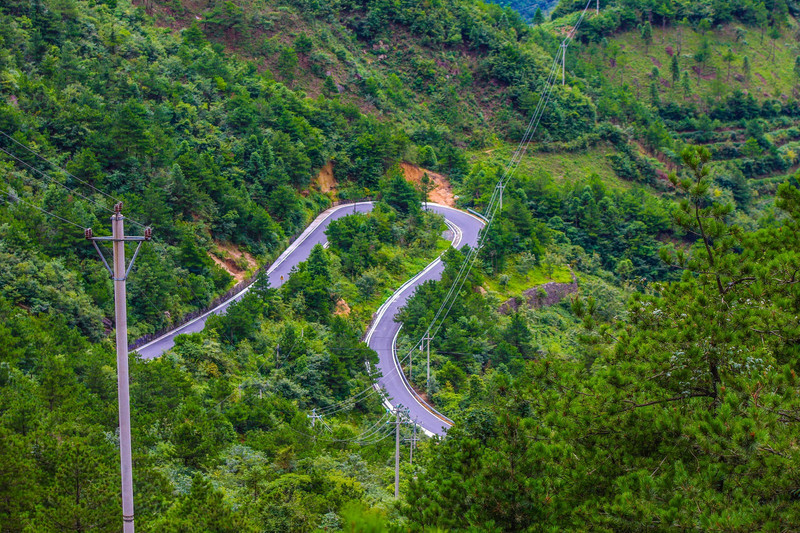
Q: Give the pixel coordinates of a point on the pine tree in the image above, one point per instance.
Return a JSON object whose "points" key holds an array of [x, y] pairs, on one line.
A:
{"points": [[203, 509], [329, 87], [774, 35], [746, 69], [797, 69], [83, 496], [646, 31], [538, 17], [654, 97], [687, 86], [729, 58]]}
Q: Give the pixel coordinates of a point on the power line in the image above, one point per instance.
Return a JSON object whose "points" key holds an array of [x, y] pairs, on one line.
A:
{"points": [[492, 210], [494, 205], [371, 435], [12, 139], [13, 197], [53, 180], [65, 171]]}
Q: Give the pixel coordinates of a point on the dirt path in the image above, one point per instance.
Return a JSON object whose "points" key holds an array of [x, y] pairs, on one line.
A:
{"points": [[442, 192]]}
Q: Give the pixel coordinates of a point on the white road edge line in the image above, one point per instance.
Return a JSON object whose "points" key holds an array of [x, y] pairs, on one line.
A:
{"points": [[396, 294], [457, 237], [408, 385]]}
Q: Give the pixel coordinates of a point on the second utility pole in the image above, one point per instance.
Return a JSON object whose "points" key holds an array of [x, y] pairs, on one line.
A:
{"points": [[427, 337], [397, 452]]}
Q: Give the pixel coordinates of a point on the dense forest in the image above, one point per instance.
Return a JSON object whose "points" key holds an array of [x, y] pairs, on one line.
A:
{"points": [[622, 355]]}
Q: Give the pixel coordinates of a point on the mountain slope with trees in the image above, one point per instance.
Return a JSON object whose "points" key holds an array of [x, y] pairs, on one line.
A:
{"points": [[661, 393]]}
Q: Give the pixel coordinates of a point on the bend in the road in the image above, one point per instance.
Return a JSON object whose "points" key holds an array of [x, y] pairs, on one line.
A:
{"points": [[383, 332]]}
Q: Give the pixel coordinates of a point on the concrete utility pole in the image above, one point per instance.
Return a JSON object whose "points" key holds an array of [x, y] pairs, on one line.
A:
{"points": [[427, 338], [598, 7], [410, 367], [120, 274], [397, 452], [563, 62], [413, 443], [313, 416], [500, 186]]}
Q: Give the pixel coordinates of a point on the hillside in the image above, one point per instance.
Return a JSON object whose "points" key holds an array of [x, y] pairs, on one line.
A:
{"points": [[415, 66], [714, 61], [527, 8], [619, 354]]}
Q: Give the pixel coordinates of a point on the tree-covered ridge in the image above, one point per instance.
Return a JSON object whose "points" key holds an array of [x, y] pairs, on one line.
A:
{"points": [[414, 64], [528, 9], [196, 144], [681, 413]]}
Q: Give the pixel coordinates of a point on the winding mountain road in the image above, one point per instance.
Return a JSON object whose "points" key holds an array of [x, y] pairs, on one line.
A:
{"points": [[382, 335], [383, 332]]}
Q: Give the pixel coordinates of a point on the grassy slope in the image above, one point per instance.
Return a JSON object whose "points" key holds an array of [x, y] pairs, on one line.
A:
{"points": [[770, 77], [563, 166], [519, 283]]}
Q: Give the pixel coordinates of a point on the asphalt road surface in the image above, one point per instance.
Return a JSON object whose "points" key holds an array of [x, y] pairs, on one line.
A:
{"points": [[383, 332], [296, 253]]}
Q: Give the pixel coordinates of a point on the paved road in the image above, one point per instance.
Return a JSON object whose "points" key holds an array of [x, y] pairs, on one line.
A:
{"points": [[383, 332], [296, 253]]}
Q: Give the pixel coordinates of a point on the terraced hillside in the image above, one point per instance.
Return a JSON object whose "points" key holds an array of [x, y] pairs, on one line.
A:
{"points": [[671, 81]]}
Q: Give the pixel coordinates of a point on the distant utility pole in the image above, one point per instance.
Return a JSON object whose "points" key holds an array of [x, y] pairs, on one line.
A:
{"points": [[313, 416], [119, 274], [598, 7], [410, 367], [413, 443], [427, 338], [500, 188], [563, 62], [397, 452]]}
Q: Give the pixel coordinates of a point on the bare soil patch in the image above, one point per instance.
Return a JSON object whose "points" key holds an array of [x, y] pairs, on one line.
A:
{"points": [[541, 296], [442, 192], [342, 309], [234, 261], [325, 180]]}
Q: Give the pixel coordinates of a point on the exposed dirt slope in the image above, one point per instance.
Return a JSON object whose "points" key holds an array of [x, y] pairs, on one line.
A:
{"points": [[442, 192], [236, 262], [325, 180]]}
